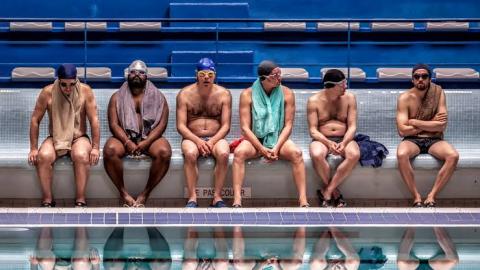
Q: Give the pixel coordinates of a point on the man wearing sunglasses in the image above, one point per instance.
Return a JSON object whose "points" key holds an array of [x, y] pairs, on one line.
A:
{"points": [[421, 121], [267, 110], [68, 103], [332, 121], [137, 116], [204, 112]]}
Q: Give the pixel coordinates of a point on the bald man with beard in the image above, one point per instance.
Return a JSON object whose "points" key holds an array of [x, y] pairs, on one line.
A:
{"points": [[137, 116]]}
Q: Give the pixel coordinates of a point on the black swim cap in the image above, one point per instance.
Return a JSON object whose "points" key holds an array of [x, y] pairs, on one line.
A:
{"points": [[332, 77], [266, 67], [67, 71]]}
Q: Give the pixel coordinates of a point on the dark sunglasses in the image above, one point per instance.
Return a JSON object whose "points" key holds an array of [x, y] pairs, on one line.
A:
{"points": [[423, 76]]}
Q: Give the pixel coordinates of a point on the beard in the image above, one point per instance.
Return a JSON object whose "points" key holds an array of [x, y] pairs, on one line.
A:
{"points": [[422, 87], [136, 83]]}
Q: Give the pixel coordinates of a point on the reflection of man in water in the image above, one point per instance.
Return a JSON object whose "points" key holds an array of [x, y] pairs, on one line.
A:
{"points": [[118, 255], [445, 258], [342, 255], [200, 254], [47, 257], [268, 257]]}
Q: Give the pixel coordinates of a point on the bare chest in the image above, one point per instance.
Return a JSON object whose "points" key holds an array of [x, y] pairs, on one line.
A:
{"points": [[332, 111], [208, 108]]}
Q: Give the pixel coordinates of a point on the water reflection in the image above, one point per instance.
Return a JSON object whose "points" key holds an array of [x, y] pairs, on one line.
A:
{"points": [[208, 252], [241, 248], [444, 255], [119, 254], [49, 256], [268, 255]]}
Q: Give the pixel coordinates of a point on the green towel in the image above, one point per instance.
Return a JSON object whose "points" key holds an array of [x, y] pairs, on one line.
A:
{"points": [[268, 114]]}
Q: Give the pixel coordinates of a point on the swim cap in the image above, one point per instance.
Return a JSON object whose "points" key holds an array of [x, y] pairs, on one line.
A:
{"points": [[67, 71], [422, 66], [265, 68], [205, 64], [333, 77], [138, 65]]}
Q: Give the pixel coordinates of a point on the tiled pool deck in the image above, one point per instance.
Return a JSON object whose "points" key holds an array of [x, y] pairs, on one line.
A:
{"points": [[36, 217]]}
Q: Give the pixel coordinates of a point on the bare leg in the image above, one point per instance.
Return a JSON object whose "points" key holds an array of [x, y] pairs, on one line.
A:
{"points": [[160, 152], [238, 251], [190, 167], [46, 159], [292, 153], [243, 152], [80, 155], [44, 257], [190, 261], [221, 250], [113, 152], [221, 151], [319, 153], [443, 151], [405, 151], [352, 155]]}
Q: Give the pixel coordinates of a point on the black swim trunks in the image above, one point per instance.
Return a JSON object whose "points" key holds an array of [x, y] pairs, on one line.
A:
{"points": [[424, 143], [336, 139]]}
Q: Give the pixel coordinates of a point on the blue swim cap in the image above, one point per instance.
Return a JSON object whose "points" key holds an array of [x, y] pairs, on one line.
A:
{"points": [[206, 64], [67, 71]]}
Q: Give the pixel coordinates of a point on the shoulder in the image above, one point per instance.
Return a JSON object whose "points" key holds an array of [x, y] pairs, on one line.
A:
{"points": [[286, 90], [46, 93], [314, 98], [47, 90], [350, 96], [405, 96], [186, 90], [221, 90], [85, 88], [246, 92]]}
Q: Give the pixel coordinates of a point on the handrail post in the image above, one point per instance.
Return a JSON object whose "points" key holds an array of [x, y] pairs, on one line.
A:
{"points": [[85, 59], [348, 53]]}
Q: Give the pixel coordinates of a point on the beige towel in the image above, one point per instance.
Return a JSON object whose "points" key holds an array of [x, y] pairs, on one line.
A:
{"points": [[429, 107], [65, 117]]}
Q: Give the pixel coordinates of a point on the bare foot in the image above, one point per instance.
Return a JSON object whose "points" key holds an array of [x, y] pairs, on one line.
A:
{"points": [[129, 200], [141, 200]]}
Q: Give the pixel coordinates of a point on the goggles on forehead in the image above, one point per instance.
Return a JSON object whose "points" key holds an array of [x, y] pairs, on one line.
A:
{"points": [[337, 83]]}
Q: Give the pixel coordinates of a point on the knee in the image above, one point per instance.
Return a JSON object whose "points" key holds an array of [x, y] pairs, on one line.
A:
{"points": [[46, 157], [163, 153], [452, 157], [240, 155], [353, 155], [316, 154], [80, 156], [222, 156], [190, 156], [110, 151], [296, 156], [402, 155]]}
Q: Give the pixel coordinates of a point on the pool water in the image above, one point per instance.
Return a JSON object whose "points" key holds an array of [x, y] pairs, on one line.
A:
{"points": [[242, 248]]}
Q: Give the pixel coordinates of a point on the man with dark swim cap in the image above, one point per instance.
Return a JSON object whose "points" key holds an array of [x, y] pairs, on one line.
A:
{"points": [[332, 121], [421, 121], [68, 103], [203, 119], [267, 110]]}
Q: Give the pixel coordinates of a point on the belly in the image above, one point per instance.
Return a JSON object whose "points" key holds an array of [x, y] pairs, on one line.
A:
{"points": [[204, 127], [333, 128]]}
